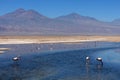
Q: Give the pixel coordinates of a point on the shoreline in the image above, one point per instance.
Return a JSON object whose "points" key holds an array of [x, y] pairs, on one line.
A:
{"points": [[55, 39]]}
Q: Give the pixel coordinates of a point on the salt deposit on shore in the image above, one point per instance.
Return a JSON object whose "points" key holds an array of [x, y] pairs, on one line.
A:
{"points": [[37, 41], [54, 39]]}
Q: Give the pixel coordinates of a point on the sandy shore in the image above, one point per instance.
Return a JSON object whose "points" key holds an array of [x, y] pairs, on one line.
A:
{"points": [[54, 39]]}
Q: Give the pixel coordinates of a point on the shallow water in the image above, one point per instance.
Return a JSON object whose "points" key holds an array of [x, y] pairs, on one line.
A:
{"points": [[62, 62]]}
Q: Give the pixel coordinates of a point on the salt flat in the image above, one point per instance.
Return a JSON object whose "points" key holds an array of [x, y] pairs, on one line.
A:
{"points": [[55, 39]]}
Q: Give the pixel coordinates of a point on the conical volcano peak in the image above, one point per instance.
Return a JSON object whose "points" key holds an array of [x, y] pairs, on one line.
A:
{"points": [[20, 10]]}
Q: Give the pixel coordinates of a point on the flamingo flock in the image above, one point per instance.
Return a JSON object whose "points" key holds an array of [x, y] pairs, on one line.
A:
{"points": [[99, 62]]}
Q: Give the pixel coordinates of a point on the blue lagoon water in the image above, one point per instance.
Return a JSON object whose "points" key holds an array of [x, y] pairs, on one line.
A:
{"points": [[61, 61]]}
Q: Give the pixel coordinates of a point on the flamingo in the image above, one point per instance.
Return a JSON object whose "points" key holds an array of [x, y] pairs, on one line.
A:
{"points": [[100, 60], [87, 60], [16, 58]]}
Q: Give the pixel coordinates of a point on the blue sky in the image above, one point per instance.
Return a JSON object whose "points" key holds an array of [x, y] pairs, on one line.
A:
{"points": [[105, 10]]}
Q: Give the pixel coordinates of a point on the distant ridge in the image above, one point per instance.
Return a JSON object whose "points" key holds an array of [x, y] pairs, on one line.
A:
{"points": [[30, 22]]}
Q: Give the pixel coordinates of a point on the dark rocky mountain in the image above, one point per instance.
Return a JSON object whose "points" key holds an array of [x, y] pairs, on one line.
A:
{"points": [[30, 22]]}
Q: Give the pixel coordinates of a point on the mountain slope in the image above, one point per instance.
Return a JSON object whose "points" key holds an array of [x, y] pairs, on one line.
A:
{"points": [[27, 22]]}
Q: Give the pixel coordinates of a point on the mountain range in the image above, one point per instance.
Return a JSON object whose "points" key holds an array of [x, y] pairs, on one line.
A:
{"points": [[30, 22]]}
